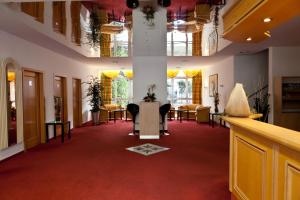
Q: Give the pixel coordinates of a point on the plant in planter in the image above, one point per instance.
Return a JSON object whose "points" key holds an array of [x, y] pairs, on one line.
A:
{"points": [[216, 101], [149, 14], [150, 94], [94, 91], [93, 34]]}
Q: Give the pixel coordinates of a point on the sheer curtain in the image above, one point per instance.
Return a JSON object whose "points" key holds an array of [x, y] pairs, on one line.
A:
{"points": [[3, 107], [3, 102]]}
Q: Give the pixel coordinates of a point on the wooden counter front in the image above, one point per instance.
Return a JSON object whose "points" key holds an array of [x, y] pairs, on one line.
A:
{"points": [[149, 120], [264, 160]]}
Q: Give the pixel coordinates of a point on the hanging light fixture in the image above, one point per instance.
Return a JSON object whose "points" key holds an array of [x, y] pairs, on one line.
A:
{"points": [[164, 3], [132, 4]]}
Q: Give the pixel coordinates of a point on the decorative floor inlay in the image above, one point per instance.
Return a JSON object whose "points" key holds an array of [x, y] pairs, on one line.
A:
{"points": [[147, 149]]}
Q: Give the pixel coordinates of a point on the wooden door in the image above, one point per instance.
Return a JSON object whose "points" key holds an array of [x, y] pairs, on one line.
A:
{"points": [[31, 101], [77, 105]]}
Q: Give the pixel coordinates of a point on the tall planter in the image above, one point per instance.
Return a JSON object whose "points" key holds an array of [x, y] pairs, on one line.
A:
{"points": [[94, 91], [96, 117]]}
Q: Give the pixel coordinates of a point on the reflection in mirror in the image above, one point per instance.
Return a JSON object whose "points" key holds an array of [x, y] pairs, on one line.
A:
{"points": [[11, 106], [58, 108]]}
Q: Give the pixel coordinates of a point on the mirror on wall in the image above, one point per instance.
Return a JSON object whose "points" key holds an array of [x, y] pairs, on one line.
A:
{"points": [[11, 105], [58, 108]]}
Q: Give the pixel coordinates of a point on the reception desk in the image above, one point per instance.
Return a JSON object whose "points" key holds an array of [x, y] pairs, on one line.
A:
{"points": [[264, 161], [149, 120]]}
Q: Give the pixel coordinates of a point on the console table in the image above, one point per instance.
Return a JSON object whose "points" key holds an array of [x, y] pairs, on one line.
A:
{"points": [[58, 123], [211, 118]]}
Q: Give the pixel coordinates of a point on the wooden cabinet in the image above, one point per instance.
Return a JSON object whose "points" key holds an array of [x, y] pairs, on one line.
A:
{"points": [[149, 120], [264, 161], [252, 157]]}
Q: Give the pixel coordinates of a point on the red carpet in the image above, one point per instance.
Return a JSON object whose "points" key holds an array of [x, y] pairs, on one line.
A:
{"points": [[95, 165]]}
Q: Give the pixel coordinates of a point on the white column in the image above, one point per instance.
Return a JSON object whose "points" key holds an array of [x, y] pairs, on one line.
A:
{"points": [[149, 55]]}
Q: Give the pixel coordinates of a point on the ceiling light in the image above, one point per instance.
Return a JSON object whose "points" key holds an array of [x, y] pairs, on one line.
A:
{"points": [[267, 33], [267, 19], [249, 39]]}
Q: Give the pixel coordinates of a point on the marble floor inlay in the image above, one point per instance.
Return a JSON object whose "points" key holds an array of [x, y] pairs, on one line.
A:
{"points": [[147, 149]]}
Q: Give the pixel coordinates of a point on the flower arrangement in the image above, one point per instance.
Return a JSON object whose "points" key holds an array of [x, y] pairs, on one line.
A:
{"points": [[149, 14], [216, 101], [150, 94]]}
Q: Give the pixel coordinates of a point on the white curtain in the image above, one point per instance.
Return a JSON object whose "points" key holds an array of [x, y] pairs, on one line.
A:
{"points": [[3, 102], [19, 104], [3, 107]]}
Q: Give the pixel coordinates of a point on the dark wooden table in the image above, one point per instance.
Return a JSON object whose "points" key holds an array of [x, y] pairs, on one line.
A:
{"points": [[118, 111], [179, 114], [188, 112], [58, 123], [211, 118]]}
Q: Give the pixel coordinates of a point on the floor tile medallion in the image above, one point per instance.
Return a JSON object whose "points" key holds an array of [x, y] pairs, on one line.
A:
{"points": [[147, 149]]}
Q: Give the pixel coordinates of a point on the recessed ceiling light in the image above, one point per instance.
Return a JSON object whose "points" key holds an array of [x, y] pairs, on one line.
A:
{"points": [[267, 33], [249, 39], [267, 19]]}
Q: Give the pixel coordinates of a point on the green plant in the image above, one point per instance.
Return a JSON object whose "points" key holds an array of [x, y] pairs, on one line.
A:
{"points": [[150, 94], [149, 14], [216, 101], [181, 86], [261, 105], [94, 33], [94, 91], [120, 90]]}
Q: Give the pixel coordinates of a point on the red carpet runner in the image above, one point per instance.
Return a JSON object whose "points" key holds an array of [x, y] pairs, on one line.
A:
{"points": [[95, 165]]}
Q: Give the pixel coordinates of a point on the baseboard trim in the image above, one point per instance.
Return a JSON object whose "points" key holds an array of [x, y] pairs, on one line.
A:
{"points": [[11, 151], [147, 137]]}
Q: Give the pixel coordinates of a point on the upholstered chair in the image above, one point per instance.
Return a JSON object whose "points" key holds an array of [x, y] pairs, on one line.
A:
{"points": [[202, 113]]}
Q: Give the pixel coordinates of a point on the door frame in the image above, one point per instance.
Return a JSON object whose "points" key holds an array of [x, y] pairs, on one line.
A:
{"points": [[80, 100], [41, 97]]}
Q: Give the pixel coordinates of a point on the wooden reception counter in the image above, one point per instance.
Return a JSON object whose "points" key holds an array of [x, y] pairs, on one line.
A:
{"points": [[149, 120], [264, 161]]}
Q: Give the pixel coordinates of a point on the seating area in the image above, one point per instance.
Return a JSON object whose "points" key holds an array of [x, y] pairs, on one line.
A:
{"points": [[196, 112]]}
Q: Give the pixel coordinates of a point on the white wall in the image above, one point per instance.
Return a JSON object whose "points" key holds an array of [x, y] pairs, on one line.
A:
{"points": [[283, 61], [251, 71], [29, 55], [225, 71]]}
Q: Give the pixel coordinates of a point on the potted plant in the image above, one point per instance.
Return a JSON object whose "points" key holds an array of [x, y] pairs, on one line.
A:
{"points": [[150, 94], [216, 101], [94, 91], [93, 34], [149, 11]]}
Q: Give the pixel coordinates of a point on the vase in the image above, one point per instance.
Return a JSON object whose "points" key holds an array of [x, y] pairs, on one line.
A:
{"points": [[216, 108], [96, 117]]}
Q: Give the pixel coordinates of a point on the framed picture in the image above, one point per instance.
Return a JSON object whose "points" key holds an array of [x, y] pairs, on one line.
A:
{"points": [[213, 84]]}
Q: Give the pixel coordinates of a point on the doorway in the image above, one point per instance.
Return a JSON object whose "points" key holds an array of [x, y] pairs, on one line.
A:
{"points": [[77, 103], [33, 105], [60, 100]]}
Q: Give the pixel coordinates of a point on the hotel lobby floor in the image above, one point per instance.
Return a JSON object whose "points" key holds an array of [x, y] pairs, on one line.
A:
{"points": [[95, 164]]}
